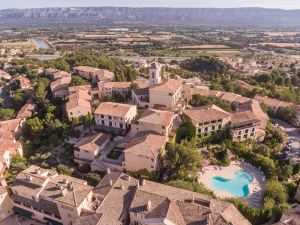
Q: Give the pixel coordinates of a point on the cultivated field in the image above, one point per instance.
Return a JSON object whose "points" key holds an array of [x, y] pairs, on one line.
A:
{"points": [[204, 47]]}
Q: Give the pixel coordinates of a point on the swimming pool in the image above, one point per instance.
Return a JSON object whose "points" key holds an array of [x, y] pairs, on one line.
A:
{"points": [[237, 186]]}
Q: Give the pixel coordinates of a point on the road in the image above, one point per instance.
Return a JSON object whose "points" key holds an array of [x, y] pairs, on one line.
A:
{"points": [[292, 132]]}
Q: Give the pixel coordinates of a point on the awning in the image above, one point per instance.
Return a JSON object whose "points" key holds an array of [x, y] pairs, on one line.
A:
{"points": [[52, 222], [23, 212]]}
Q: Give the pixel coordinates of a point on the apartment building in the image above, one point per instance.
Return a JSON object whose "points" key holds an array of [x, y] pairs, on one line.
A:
{"points": [[272, 103], [79, 101], [244, 125], [59, 87], [94, 74], [166, 94], [115, 117], [9, 142], [89, 147], [208, 119], [144, 151], [48, 197], [125, 200], [109, 88], [154, 120]]}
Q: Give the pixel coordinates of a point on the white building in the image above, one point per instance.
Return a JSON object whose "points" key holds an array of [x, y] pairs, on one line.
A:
{"points": [[115, 117]]}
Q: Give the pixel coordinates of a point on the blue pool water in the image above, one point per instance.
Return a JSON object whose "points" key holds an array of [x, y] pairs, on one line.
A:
{"points": [[237, 186]]}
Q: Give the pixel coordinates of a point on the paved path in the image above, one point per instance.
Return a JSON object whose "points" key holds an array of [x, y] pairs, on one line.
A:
{"points": [[292, 132]]}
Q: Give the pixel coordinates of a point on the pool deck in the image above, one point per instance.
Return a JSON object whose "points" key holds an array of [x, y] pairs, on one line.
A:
{"points": [[256, 187]]}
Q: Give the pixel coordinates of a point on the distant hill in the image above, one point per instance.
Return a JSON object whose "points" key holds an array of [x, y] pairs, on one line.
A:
{"points": [[114, 16]]}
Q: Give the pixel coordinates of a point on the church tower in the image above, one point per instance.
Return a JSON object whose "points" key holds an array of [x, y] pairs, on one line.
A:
{"points": [[154, 74]]}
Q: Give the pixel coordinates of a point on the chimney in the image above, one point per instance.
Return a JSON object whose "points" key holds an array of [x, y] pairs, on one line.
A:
{"points": [[143, 182], [138, 184], [38, 170], [29, 178], [149, 205], [110, 182], [65, 181], [108, 171], [122, 186], [193, 199]]}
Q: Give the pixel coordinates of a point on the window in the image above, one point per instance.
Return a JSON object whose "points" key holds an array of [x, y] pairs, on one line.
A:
{"points": [[206, 129], [102, 116], [253, 129], [103, 123], [245, 136], [71, 113], [246, 131], [219, 127], [109, 117], [110, 124], [213, 127], [121, 125]]}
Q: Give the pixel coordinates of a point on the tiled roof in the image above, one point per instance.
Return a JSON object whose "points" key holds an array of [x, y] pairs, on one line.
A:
{"points": [[243, 118], [77, 102], [88, 218], [271, 102], [148, 145], [168, 86], [114, 109], [254, 106], [92, 141], [154, 116], [183, 207], [26, 110], [117, 190], [67, 190], [7, 134], [206, 114], [116, 85], [243, 84]]}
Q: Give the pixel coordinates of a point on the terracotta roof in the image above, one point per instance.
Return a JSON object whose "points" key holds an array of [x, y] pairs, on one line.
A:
{"points": [[8, 130], [117, 85], [206, 114], [88, 218], [60, 74], [168, 86], [62, 81], [117, 190], [243, 118], [67, 190], [77, 102], [183, 207], [141, 83], [114, 109], [243, 84], [154, 116], [92, 142], [229, 97], [271, 102], [254, 106], [147, 145], [26, 110]]}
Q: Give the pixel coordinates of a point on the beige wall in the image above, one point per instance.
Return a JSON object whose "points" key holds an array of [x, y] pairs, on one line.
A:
{"points": [[244, 133], [207, 129], [135, 162], [78, 111], [87, 154], [69, 213], [163, 98], [6, 206], [117, 122]]}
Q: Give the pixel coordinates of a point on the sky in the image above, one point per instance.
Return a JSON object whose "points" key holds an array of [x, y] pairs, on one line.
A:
{"points": [[283, 4]]}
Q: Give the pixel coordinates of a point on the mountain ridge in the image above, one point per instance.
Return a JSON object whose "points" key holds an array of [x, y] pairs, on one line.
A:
{"points": [[151, 16]]}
